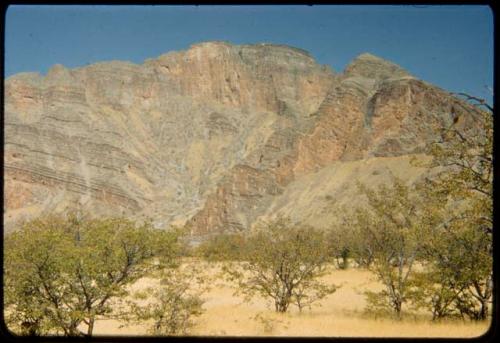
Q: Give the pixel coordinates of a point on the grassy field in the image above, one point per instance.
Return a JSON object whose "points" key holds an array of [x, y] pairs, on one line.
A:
{"points": [[341, 314]]}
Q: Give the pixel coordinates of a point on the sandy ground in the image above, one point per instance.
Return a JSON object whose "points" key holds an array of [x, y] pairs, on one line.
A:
{"points": [[340, 315]]}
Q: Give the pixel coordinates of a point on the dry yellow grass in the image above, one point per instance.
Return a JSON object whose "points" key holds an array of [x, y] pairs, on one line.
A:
{"points": [[341, 315]]}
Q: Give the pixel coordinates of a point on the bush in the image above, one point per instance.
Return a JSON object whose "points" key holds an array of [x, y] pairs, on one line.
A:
{"points": [[339, 246], [172, 306], [393, 223], [222, 247], [283, 263]]}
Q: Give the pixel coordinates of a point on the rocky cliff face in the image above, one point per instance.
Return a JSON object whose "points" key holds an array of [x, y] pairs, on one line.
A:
{"points": [[212, 137]]}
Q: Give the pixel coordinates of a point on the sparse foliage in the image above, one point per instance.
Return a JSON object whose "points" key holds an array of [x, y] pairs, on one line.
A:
{"points": [[359, 244], [458, 269], [173, 304], [268, 322], [310, 292], [340, 245], [466, 149], [283, 263], [436, 293], [459, 249], [392, 222]]}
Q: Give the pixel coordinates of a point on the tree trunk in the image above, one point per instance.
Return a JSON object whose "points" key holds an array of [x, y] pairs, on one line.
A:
{"points": [[397, 308], [483, 311], [73, 330], [281, 305], [30, 328], [90, 328]]}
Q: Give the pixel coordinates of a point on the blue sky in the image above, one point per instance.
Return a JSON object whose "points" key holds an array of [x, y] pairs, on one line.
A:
{"points": [[450, 46]]}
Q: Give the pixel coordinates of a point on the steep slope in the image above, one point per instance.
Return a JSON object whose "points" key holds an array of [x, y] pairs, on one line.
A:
{"points": [[316, 198], [374, 109], [212, 137], [151, 139]]}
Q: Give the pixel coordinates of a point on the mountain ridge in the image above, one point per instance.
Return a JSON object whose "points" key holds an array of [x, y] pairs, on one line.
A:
{"points": [[209, 137]]}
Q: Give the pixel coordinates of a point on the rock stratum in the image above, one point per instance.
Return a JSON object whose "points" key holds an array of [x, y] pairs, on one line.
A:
{"points": [[216, 137]]}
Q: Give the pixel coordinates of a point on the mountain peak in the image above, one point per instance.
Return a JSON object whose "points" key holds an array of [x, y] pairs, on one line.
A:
{"points": [[284, 47], [263, 47], [374, 67], [368, 56]]}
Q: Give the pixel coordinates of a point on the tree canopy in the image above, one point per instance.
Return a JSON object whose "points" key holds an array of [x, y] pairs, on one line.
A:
{"points": [[62, 272], [283, 262]]}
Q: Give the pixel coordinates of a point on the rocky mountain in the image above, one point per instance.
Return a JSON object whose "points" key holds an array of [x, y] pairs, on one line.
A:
{"points": [[216, 137]]}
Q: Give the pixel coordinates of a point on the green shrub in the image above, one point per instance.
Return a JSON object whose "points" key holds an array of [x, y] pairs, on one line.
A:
{"points": [[223, 247]]}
